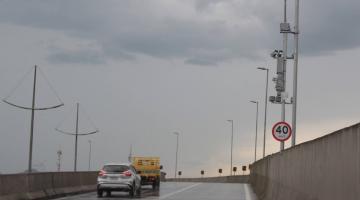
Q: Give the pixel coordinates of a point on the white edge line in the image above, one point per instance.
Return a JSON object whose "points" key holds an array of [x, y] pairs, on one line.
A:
{"points": [[248, 193], [178, 191]]}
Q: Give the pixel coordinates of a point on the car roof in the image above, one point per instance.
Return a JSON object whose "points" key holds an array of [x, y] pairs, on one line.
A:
{"points": [[126, 164]]}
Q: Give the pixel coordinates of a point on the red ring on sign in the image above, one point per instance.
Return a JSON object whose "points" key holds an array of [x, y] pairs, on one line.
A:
{"points": [[273, 131]]}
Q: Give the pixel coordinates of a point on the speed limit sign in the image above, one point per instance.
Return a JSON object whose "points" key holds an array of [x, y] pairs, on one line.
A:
{"points": [[281, 131]]}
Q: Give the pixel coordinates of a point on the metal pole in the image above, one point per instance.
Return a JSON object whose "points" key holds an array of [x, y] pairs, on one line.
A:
{"points": [[296, 54], [266, 103], [256, 125], [177, 150], [89, 167], [256, 132], [285, 39], [32, 124], [232, 141], [76, 134]]}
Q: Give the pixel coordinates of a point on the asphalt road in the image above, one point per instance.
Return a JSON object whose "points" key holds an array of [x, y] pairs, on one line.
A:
{"points": [[183, 191]]}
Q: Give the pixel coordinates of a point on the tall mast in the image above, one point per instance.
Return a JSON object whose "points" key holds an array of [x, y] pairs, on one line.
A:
{"points": [[32, 123]]}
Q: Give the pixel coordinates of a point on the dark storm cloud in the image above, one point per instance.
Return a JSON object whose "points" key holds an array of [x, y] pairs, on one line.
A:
{"points": [[329, 25], [203, 4], [82, 57], [129, 27]]}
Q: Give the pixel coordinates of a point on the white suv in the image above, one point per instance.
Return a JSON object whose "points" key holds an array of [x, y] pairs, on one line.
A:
{"points": [[118, 177]]}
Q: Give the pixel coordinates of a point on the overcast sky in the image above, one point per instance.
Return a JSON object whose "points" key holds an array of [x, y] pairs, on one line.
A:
{"points": [[144, 69]]}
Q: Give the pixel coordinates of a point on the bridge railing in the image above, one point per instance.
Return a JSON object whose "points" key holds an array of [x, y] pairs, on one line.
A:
{"points": [[327, 168], [45, 185]]}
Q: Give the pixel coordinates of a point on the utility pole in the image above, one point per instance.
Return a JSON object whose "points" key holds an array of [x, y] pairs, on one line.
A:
{"points": [[285, 41], [32, 123], [32, 108], [76, 134], [281, 56], [296, 60]]}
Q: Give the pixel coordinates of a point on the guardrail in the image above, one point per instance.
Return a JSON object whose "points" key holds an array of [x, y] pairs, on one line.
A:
{"points": [[220, 179], [327, 168], [45, 185]]}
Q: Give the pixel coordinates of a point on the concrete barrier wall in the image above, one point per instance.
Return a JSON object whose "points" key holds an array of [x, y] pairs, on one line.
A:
{"points": [[327, 168], [220, 179], [45, 185]]}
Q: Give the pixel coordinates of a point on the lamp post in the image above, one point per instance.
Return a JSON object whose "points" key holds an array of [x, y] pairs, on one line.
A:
{"points": [[232, 139], [177, 150], [265, 101], [89, 155], [256, 129]]}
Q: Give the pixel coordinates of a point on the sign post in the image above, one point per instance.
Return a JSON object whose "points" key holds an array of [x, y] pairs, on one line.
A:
{"points": [[281, 131]]}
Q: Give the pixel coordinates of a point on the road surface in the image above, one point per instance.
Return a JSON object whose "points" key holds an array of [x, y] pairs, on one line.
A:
{"points": [[183, 191]]}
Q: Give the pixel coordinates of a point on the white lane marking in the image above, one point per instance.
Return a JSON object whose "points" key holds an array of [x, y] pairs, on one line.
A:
{"points": [[178, 191], [248, 195]]}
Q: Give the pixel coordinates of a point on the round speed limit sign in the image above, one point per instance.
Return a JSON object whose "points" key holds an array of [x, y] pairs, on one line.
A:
{"points": [[281, 131]]}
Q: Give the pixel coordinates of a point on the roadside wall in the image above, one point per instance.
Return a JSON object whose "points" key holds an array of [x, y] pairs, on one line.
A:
{"points": [[220, 179], [45, 185], [327, 168]]}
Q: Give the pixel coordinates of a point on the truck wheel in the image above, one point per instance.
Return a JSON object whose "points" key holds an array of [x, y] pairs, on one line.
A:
{"points": [[138, 192], [108, 193], [99, 193]]}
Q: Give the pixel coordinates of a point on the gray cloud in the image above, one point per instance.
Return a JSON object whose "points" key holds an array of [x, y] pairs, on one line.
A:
{"points": [[83, 57], [130, 27]]}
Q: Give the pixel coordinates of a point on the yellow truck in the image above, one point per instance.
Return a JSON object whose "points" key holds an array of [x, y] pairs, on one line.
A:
{"points": [[149, 170]]}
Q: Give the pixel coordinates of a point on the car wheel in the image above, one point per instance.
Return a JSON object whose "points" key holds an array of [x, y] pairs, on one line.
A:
{"points": [[132, 191], [99, 193], [138, 192]]}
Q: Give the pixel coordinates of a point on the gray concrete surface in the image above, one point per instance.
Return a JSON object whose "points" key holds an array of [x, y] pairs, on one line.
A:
{"points": [[183, 191], [45, 185], [327, 168], [219, 179]]}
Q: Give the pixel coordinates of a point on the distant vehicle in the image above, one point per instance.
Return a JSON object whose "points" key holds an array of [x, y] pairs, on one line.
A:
{"points": [[149, 170], [118, 177]]}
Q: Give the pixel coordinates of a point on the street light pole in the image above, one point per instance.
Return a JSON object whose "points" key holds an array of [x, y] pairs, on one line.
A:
{"points": [[177, 150], [89, 156], [266, 102], [231, 151], [256, 129], [76, 136]]}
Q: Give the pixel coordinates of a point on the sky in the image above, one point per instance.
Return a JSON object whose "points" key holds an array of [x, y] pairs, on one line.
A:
{"points": [[142, 70]]}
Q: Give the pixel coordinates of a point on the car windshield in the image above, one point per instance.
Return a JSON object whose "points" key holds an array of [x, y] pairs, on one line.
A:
{"points": [[115, 168]]}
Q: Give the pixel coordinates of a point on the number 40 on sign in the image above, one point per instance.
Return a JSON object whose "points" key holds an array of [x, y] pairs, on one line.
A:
{"points": [[281, 131]]}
